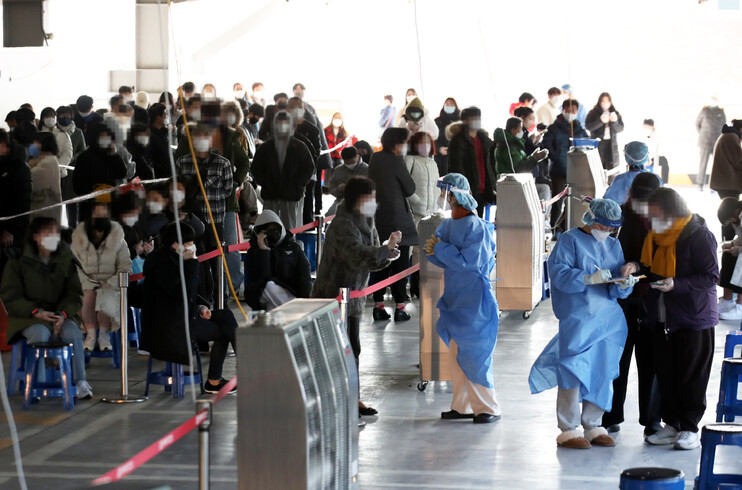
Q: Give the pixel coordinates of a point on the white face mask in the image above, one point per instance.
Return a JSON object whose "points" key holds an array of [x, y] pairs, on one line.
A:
{"points": [[410, 98], [337, 122], [368, 208], [570, 117], [130, 220], [239, 94], [257, 96], [143, 139], [178, 196], [599, 235], [154, 206], [423, 150], [403, 151], [50, 242], [50, 122], [449, 109], [475, 124], [605, 105], [104, 141], [127, 99], [231, 119], [519, 134], [202, 145], [661, 225], [191, 247], [555, 101], [283, 129], [209, 95], [641, 208], [297, 113], [196, 115]]}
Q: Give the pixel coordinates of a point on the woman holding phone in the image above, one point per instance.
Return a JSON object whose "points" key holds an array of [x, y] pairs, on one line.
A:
{"points": [[42, 293]]}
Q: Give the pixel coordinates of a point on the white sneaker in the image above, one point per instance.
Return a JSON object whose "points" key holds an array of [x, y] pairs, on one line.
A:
{"points": [[84, 391], [667, 435], [725, 305], [89, 342], [735, 313], [104, 341], [688, 440]]}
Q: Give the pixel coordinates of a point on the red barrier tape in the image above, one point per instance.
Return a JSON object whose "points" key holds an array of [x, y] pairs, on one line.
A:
{"points": [[239, 246], [163, 443], [383, 284], [556, 198]]}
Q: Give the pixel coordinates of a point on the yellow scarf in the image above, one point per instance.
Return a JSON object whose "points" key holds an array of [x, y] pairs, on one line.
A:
{"points": [[663, 261]]}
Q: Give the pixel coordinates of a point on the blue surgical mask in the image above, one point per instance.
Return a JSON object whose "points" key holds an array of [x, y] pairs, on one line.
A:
{"points": [[34, 150], [449, 109]]}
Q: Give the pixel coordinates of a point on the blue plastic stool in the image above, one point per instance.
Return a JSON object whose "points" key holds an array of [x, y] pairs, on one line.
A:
{"points": [[114, 354], [53, 386], [135, 327], [714, 435], [173, 376], [17, 370], [729, 406], [652, 479], [310, 247], [734, 338]]}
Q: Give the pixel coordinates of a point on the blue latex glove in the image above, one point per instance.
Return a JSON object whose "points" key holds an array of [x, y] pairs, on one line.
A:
{"points": [[597, 277]]}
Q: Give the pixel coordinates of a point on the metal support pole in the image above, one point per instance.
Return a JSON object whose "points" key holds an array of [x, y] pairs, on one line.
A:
{"points": [[220, 287], [124, 398], [344, 300], [203, 443], [320, 228], [568, 210]]}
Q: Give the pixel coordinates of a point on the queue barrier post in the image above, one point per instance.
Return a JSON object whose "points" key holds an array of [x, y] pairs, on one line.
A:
{"points": [[203, 443], [568, 210], [124, 397], [320, 220], [220, 276], [344, 300]]}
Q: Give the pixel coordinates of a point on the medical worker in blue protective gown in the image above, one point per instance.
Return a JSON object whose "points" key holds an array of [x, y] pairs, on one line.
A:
{"points": [[583, 358], [464, 246], [637, 156]]}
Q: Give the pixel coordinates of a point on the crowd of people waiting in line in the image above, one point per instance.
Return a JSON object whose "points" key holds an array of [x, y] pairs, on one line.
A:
{"points": [[55, 280]]}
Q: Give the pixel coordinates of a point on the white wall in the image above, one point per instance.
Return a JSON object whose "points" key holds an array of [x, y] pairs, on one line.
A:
{"points": [[658, 58]]}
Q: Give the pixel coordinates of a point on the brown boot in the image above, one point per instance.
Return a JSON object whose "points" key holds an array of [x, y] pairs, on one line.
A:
{"points": [[599, 437], [573, 439]]}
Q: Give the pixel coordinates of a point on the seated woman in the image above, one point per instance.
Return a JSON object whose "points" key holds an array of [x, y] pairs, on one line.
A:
{"points": [[730, 214], [41, 292], [277, 269], [163, 318], [99, 246]]}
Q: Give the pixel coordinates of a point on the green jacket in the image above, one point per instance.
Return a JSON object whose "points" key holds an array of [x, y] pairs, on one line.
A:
{"points": [[521, 162], [29, 284], [232, 150]]}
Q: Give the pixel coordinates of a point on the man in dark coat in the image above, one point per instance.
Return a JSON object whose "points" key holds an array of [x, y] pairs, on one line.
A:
{"points": [[394, 185], [557, 141], [276, 267], [159, 145], [15, 197], [163, 319], [469, 155], [85, 117], [283, 166]]}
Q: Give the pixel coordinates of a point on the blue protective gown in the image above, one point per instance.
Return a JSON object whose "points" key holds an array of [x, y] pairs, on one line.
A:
{"points": [[468, 308], [586, 351], [619, 189]]}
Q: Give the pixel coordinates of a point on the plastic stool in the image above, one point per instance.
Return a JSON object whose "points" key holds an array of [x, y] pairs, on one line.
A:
{"points": [[17, 370], [135, 327], [734, 338], [652, 479], [114, 354], [714, 435], [61, 387], [729, 406], [309, 240], [173, 376]]}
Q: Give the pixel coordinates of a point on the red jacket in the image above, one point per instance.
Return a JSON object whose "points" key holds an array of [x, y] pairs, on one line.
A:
{"points": [[332, 141]]}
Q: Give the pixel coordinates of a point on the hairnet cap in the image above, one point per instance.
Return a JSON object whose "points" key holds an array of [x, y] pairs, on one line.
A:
{"points": [[607, 212], [461, 190], [636, 153]]}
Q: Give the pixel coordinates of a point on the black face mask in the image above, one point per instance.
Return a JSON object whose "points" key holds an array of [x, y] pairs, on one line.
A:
{"points": [[272, 237], [101, 224]]}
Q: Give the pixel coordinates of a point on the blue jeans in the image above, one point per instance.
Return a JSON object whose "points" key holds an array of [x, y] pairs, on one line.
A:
{"points": [[69, 334], [234, 264]]}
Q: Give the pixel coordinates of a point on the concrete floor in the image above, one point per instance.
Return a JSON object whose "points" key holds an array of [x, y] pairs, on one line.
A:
{"points": [[406, 446]]}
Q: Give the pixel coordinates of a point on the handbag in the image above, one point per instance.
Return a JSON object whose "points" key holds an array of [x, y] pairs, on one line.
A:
{"points": [[737, 274]]}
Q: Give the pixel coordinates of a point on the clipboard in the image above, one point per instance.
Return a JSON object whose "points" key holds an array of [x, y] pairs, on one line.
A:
{"points": [[620, 279]]}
